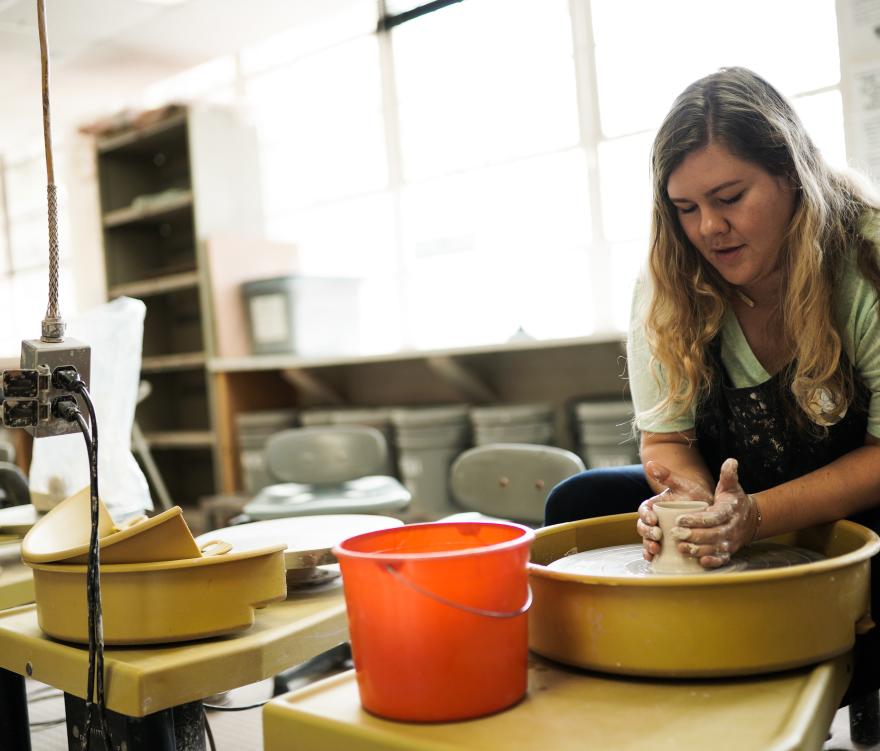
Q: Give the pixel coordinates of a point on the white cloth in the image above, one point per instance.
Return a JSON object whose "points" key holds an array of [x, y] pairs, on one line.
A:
{"points": [[60, 466]]}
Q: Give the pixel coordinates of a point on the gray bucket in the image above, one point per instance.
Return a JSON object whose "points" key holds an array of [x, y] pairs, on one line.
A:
{"points": [[254, 429], [604, 432], [443, 436], [425, 473], [540, 433], [597, 455], [429, 417], [611, 410], [428, 440], [372, 417], [509, 414]]}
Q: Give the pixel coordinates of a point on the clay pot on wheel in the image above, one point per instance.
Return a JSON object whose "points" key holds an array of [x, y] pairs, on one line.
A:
{"points": [[671, 560]]}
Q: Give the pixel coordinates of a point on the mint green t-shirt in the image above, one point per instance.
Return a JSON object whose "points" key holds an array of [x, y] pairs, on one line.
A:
{"points": [[857, 314]]}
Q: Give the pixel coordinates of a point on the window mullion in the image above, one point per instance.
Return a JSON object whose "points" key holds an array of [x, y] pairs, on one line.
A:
{"points": [[586, 81], [394, 156], [4, 212]]}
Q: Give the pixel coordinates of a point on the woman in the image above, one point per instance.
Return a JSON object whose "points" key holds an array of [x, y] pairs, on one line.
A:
{"points": [[754, 350]]}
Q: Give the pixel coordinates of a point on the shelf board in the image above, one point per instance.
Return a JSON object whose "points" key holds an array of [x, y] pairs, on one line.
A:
{"points": [[180, 439], [157, 285], [178, 361], [153, 210], [134, 136], [293, 361]]}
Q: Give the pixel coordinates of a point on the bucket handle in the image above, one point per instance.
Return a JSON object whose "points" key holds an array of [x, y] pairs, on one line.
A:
{"points": [[467, 608]]}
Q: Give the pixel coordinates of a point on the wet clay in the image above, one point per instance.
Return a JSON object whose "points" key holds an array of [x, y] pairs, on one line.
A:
{"points": [[670, 559]]}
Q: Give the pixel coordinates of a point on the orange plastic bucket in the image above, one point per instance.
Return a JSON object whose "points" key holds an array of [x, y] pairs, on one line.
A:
{"points": [[437, 617]]}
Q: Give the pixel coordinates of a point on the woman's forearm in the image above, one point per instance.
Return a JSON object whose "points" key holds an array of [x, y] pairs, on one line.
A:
{"points": [[837, 490], [678, 452]]}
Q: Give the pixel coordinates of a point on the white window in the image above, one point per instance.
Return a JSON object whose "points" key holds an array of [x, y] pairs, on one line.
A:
{"points": [[647, 52], [483, 167], [24, 252], [495, 197]]}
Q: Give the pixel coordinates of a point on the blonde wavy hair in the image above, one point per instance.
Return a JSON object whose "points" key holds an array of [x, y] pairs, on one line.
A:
{"points": [[736, 108]]}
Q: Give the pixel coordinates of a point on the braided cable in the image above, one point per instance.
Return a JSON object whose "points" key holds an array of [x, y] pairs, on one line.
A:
{"points": [[52, 310], [53, 325]]}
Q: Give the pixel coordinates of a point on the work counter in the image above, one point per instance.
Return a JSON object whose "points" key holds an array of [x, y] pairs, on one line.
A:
{"points": [[574, 710]]}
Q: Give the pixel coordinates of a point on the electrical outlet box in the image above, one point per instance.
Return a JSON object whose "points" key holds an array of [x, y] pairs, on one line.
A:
{"points": [[45, 358]]}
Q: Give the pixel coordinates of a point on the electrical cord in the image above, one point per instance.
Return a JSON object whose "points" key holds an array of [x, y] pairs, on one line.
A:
{"points": [[208, 730], [45, 693], [80, 387], [46, 724], [69, 411], [240, 708], [42, 690], [44, 697]]}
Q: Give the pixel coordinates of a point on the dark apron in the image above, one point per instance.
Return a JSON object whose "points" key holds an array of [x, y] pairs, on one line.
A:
{"points": [[755, 426]]}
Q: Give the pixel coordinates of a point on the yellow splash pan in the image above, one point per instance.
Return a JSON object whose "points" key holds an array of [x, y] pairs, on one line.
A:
{"points": [[62, 535], [710, 625], [167, 601]]}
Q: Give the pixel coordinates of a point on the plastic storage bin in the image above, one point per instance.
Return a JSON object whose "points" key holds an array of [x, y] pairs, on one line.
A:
{"points": [[605, 433], [514, 423], [254, 429], [373, 417], [305, 315], [428, 441]]}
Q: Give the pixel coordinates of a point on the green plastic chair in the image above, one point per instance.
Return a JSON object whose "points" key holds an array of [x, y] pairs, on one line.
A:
{"points": [[327, 470], [509, 481]]}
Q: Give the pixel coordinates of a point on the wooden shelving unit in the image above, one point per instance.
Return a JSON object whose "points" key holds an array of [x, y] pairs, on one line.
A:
{"points": [[157, 286], [162, 208], [164, 189], [167, 363], [556, 371]]}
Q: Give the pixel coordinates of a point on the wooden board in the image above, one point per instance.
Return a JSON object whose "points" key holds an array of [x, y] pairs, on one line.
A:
{"points": [[232, 261]]}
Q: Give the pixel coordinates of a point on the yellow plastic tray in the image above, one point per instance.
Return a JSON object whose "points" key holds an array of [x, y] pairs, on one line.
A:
{"points": [[144, 680], [168, 601], [571, 710], [707, 625]]}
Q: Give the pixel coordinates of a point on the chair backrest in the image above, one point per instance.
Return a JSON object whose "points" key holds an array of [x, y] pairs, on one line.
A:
{"points": [[510, 480], [326, 455]]}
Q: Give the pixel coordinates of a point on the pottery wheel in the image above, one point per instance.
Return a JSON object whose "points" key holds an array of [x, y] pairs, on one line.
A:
{"points": [[298, 578], [627, 560], [17, 520], [309, 539]]}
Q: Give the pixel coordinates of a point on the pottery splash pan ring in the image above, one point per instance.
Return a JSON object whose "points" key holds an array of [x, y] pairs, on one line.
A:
{"points": [[164, 601], [736, 623], [62, 535]]}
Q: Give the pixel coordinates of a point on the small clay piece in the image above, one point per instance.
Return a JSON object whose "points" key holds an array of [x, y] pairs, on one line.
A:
{"points": [[671, 560]]}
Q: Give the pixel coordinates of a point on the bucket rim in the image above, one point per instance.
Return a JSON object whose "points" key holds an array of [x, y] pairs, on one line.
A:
{"points": [[526, 537]]}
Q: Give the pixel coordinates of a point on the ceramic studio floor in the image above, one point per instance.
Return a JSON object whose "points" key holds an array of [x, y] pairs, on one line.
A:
{"points": [[839, 740], [233, 731], [243, 731]]}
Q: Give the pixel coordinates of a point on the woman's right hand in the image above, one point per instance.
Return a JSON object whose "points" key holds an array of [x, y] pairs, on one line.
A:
{"points": [[676, 488]]}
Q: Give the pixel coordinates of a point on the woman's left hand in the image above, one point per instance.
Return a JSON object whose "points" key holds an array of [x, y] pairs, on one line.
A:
{"points": [[730, 523]]}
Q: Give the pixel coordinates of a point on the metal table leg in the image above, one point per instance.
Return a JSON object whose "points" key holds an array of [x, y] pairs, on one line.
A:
{"points": [[15, 730], [864, 719], [179, 729], [189, 726]]}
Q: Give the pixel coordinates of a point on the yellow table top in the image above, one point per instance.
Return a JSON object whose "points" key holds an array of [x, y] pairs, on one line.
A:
{"points": [[573, 710], [142, 680], [16, 585]]}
